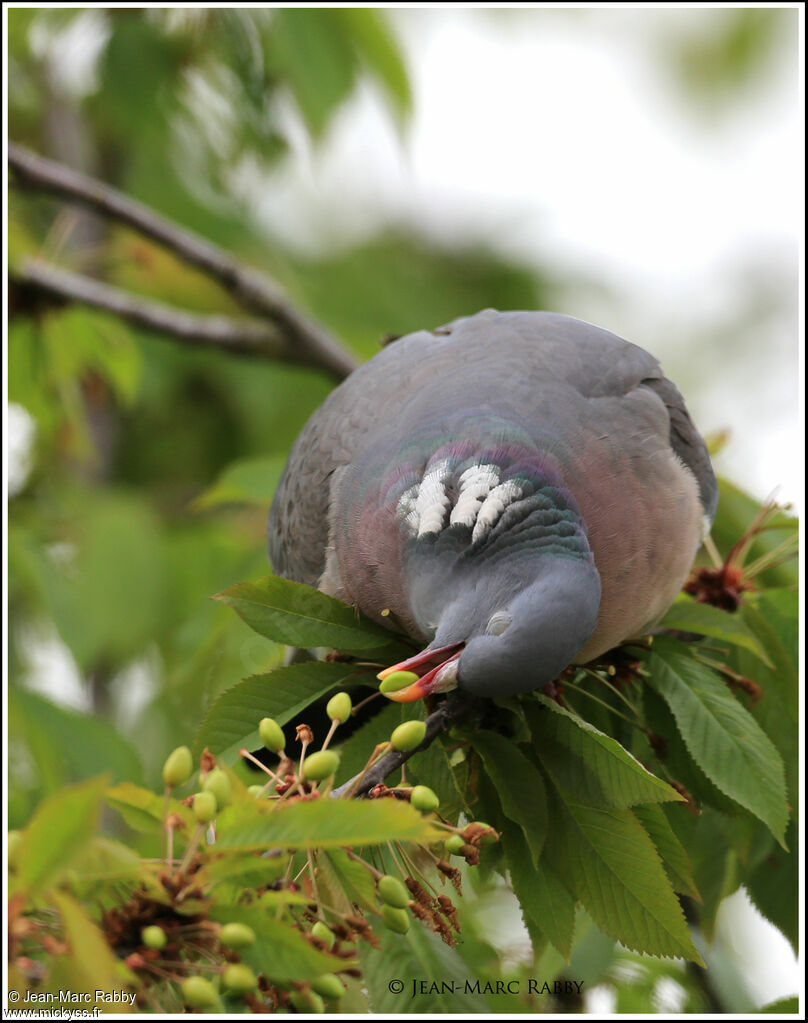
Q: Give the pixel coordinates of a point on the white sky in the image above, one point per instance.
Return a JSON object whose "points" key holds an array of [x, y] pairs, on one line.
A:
{"points": [[555, 136]]}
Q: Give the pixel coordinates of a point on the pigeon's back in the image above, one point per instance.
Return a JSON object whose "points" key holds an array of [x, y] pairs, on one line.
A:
{"points": [[402, 452]]}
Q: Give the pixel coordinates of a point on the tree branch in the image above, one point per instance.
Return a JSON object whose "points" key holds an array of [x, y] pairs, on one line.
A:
{"points": [[243, 338], [453, 709], [251, 289]]}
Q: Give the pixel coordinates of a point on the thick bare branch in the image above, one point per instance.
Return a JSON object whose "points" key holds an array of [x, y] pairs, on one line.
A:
{"points": [[221, 332], [453, 709], [251, 289]]}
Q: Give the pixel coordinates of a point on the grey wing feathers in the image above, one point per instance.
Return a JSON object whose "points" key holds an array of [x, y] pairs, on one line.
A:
{"points": [[687, 442]]}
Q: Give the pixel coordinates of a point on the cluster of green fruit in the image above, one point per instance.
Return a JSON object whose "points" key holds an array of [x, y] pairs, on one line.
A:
{"points": [[216, 788], [238, 980]]}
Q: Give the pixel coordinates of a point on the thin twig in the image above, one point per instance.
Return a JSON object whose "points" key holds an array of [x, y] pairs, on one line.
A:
{"points": [[453, 709], [237, 336], [252, 290]]}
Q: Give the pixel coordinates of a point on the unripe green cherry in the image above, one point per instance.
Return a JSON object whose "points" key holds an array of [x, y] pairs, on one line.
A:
{"points": [[424, 799], [324, 933], [320, 765], [178, 766], [408, 736], [393, 892], [271, 734], [204, 807], [236, 935], [329, 986], [396, 919], [454, 844], [255, 790], [307, 1001], [153, 937], [397, 680], [199, 993], [338, 707], [239, 979], [218, 783]]}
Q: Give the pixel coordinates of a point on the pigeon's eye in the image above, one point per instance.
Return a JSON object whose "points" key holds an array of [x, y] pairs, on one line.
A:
{"points": [[498, 623]]}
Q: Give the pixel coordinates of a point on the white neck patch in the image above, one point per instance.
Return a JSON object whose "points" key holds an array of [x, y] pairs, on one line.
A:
{"points": [[426, 508]]}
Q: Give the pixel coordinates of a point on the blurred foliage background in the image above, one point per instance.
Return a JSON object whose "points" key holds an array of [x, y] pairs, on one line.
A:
{"points": [[142, 470]]}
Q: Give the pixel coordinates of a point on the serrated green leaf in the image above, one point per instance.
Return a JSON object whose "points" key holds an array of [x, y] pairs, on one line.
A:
{"points": [[247, 481], [433, 976], [671, 751], [590, 764], [687, 615], [519, 785], [61, 828], [300, 615], [280, 951], [674, 855], [606, 859], [545, 901], [721, 735], [330, 823], [232, 720]]}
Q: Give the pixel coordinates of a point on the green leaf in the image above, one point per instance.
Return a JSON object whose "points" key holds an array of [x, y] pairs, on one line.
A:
{"points": [[674, 855], [357, 748], [59, 831], [329, 823], [432, 768], [301, 615], [317, 61], [247, 481], [377, 49], [607, 860], [721, 735], [590, 764], [251, 869], [232, 720], [143, 809], [546, 903], [280, 951], [92, 965], [716, 864], [354, 879], [519, 785], [68, 746], [687, 615], [433, 977], [773, 886], [774, 617], [784, 1006]]}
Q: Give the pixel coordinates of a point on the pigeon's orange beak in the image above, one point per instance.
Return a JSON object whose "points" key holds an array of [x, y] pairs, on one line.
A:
{"points": [[437, 670]]}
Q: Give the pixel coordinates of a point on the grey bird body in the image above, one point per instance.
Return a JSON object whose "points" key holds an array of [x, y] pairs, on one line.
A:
{"points": [[526, 465]]}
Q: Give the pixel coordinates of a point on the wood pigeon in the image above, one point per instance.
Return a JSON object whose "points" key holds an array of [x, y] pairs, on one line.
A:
{"points": [[517, 491]]}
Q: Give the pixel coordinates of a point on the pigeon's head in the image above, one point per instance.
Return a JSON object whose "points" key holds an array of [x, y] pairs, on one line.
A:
{"points": [[508, 629]]}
